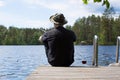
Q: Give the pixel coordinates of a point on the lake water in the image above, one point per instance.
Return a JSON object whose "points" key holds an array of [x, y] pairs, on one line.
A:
{"points": [[17, 62]]}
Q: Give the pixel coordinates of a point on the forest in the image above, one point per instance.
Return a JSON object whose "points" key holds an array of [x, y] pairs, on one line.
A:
{"points": [[106, 27], [19, 36]]}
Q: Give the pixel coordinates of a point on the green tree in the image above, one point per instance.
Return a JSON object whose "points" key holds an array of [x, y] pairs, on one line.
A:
{"points": [[116, 28], [3, 32], [68, 27], [104, 2], [106, 35]]}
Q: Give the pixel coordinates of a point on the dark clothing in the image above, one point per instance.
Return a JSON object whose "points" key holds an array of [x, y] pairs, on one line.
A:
{"points": [[59, 46]]}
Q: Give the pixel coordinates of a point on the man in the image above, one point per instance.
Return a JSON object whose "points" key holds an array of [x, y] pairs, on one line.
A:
{"points": [[58, 42]]}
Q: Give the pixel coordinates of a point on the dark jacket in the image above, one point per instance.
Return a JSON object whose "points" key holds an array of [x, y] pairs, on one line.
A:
{"points": [[59, 46]]}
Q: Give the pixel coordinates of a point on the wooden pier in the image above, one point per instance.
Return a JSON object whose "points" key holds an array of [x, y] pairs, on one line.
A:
{"points": [[75, 73]]}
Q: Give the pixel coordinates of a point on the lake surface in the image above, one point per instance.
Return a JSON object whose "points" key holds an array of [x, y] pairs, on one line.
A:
{"points": [[17, 62]]}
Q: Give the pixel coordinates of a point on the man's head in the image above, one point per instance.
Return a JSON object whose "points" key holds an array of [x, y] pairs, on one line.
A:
{"points": [[58, 19]]}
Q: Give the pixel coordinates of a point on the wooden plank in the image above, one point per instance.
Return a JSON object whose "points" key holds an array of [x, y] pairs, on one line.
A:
{"points": [[75, 73]]}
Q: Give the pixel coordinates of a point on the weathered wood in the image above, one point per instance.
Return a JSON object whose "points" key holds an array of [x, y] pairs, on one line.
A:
{"points": [[75, 73]]}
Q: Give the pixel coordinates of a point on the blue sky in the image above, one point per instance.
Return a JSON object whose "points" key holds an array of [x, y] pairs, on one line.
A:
{"points": [[36, 13]]}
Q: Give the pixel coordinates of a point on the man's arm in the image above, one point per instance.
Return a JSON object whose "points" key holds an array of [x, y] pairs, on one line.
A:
{"points": [[43, 38]]}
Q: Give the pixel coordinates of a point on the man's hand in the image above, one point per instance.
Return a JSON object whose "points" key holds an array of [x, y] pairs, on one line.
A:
{"points": [[40, 38]]}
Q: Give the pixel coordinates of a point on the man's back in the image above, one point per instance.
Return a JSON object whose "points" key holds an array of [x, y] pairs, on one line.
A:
{"points": [[58, 42], [59, 46]]}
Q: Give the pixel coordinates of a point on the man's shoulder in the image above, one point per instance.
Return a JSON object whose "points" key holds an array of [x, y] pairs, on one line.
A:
{"points": [[51, 31], [70, 31]]}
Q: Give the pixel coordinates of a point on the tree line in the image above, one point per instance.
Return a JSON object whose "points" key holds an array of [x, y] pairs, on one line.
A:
{"points": [[106, 27], [19, 36]]}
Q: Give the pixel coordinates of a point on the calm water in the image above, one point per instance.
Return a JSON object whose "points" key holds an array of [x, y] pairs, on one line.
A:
{"points": [[17, 62]]}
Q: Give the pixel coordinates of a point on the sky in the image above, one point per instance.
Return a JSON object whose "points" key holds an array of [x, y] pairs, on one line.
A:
{"points": [[36, 13]]}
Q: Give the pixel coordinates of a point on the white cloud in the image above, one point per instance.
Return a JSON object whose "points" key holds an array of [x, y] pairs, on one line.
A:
{"points": [[72, 9], [115, 3], [47, 4], [66, 6], [2, 3], [76, 2], [20, 21]]}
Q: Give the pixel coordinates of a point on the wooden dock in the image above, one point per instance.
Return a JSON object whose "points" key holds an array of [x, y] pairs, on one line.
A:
{"points": [[75, 73]]}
